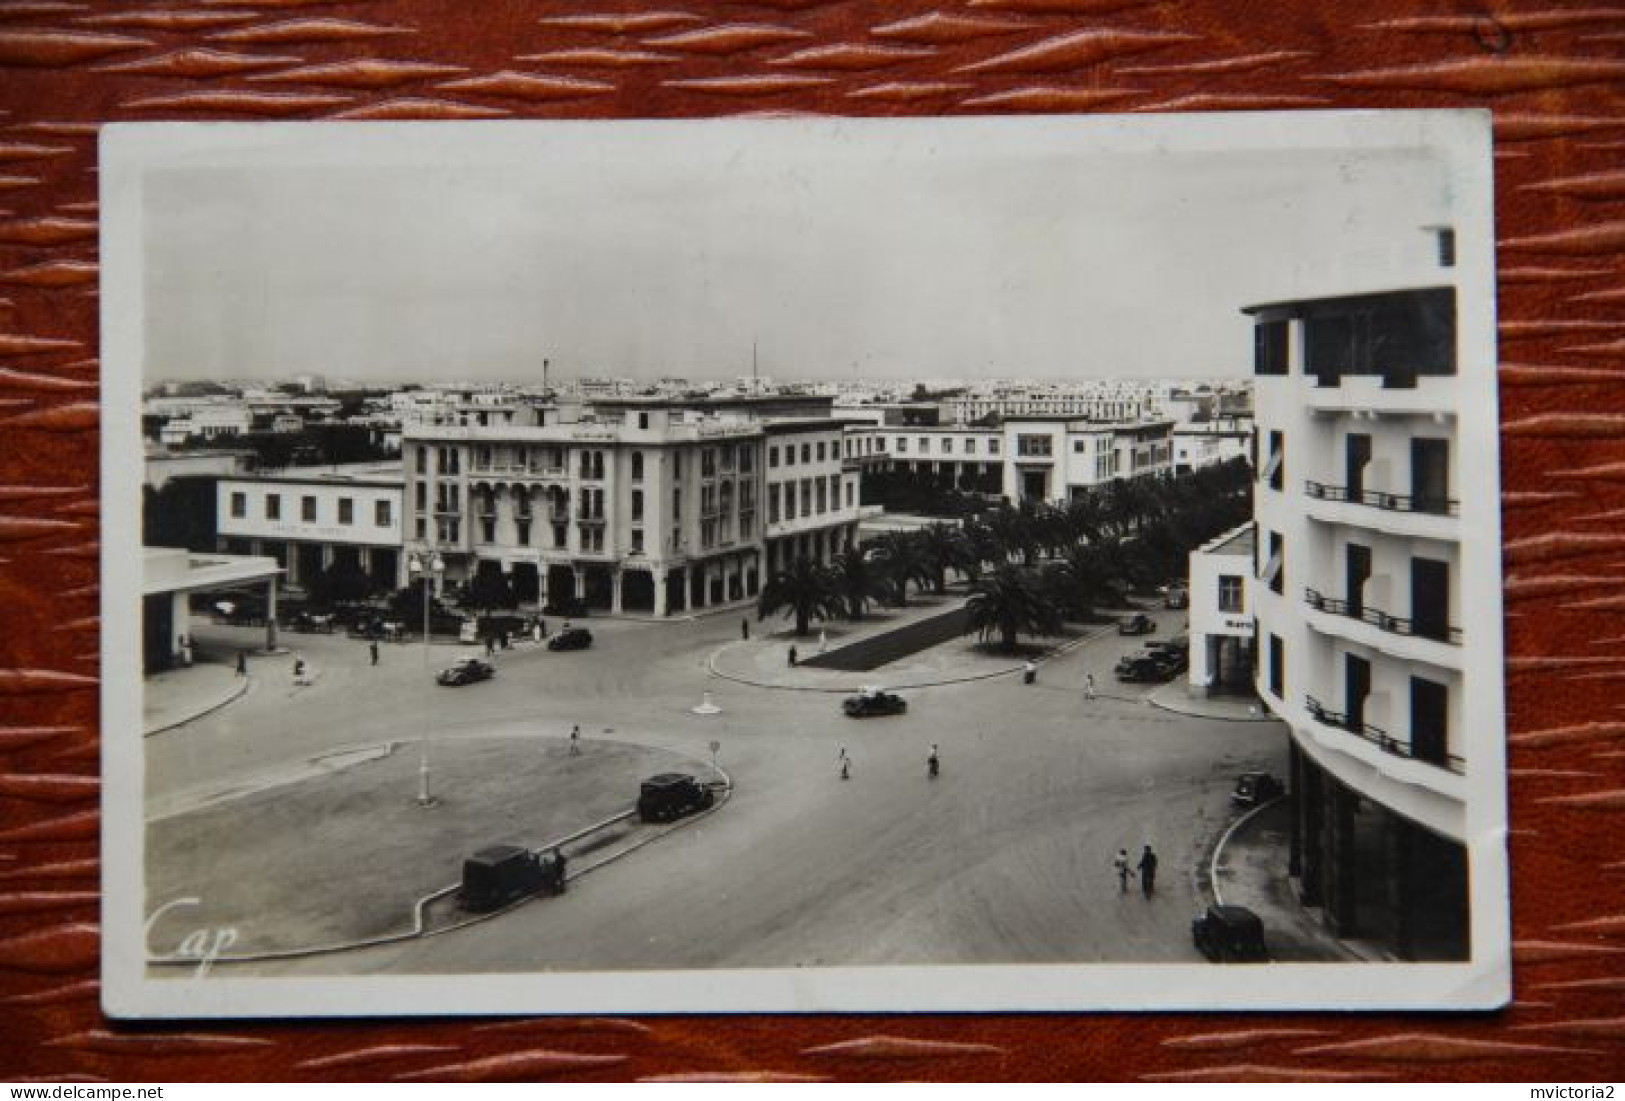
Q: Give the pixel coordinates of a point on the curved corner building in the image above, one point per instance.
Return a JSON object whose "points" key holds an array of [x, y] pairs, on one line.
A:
{"points": [[1365, 641]]}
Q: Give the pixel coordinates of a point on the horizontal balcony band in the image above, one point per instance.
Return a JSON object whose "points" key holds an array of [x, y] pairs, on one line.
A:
{"points": [[1394, 625], [1378, 737], [1388, 502]]}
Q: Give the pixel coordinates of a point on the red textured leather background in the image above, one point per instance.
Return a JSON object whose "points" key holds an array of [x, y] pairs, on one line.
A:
{"points": [[1555, 75]]}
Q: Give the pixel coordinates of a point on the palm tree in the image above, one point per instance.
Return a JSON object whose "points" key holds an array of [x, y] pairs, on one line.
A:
{"points": [[856, 578], [901, 561], [804, 589], [983, 546], [1084, 577], [944, 547], [1009, 603], [1013, 528]]}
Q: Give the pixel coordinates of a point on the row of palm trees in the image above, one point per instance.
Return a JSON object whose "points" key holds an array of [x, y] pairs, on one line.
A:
{"points": [[1031, 566]]}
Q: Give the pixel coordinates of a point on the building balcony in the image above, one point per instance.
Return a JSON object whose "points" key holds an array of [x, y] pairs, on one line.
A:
{"points": [[1388, 502], [1394, 625], [1377, 737], [1394, 394], [591, 521]]}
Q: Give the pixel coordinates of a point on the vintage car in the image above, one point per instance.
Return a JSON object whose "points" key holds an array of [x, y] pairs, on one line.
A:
{"points": [[672, 795], [310, 623], [1230, 934], [1253, 788], [465, 671], [576, 638], [1146, 669], [500, 874], [1137, 624], [872, 701]]}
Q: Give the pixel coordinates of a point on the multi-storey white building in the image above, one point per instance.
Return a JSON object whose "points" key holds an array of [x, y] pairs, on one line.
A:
{"points": [[639, 505], [1366, 642], [307, 518]]}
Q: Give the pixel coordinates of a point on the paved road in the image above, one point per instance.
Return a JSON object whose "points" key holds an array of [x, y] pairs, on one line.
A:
{"points": [[1005, 858]]}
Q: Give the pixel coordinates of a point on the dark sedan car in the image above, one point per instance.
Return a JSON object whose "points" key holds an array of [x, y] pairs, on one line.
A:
{"points": [[576, 638], [871, 702], [466, 671], [1253, 788], [1137, 624], [672, 795], [1146, 669]]}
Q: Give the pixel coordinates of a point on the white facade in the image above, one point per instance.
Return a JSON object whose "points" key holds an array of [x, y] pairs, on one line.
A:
{"points": [[308, 517], [1221, 632]]}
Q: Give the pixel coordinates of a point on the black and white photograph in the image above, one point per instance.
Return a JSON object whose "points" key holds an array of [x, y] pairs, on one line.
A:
{"points": [[802, 565]]}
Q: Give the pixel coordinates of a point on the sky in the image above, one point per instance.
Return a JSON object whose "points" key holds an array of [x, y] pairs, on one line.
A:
{"points": [[850, 249]]}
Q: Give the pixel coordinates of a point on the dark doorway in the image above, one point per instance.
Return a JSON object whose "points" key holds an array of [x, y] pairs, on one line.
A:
{"points": [[1357, 453], [1034, 484], [676, 593], [561, 585], [385, 564], [157, 631], [1357, 571], [309, 560], [526, 582], [637, 591], [1356, 687], [1430, 716], [1430, 598], [1430, 475]]}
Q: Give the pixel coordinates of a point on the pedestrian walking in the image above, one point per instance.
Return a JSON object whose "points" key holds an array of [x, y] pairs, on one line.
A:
{"points": [[1124, 873], [575, 740], [490, 645], [1088, 686], [1029, 673], [299, 670], [932, 764], [242, 663], [372, 648], [1148, 871], [744, 629], [792, 657], [840, 754], [846, 767]]}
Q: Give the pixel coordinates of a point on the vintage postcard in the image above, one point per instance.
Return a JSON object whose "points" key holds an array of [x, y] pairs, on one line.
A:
{"points": [[802, 565]]}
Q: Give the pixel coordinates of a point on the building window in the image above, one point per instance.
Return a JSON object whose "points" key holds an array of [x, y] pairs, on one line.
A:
{"points": [[925, 445], [773, 457], [423, 459], [676, 505], [1231, 588], [637, 540], [273, 506], [1447, 248], [561, 536], [806, 452], [902, 445], [1079, 446], [773, 504], [1277, 661], [637, 462], [422, 529], [1033, 445], [522, 532], [346, 510], [643, 420], [789, 500], [747, 459], [307, 509], [992, 447], [637, 504], [821, 453], [708, 462], [1274, 472], [1274, 566], [381, 514], [239, 505], [823, 498], [848, 494], [488, 530], [1270, 347]]}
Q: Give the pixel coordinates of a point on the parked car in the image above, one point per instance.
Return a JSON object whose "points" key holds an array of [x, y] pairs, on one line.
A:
{"points": [[1146, 669], [576, 638], [872, 701], [308, 623], [496, 876], [1253, 788], [1137, 624], [1177, 596], [1230, 934], [672, 795], [466, 671]]}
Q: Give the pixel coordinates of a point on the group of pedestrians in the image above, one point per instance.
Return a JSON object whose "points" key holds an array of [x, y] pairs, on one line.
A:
{"points": [[1125, 871], [933, 763]]}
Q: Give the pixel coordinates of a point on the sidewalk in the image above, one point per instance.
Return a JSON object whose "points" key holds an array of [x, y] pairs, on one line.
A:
{"points": [[1249, 868], [178, 696], [763, 661], [1175, 696]]}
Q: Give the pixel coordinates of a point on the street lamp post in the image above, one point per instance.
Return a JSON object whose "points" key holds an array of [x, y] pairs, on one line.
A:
{"points": [[425, 567]]}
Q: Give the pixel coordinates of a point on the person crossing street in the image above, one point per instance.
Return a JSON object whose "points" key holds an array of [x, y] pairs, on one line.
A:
{"points": [[1148, 871]]}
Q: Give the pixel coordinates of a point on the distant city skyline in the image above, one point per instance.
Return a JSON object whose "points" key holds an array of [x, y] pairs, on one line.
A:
{"points": [[825, 250]]}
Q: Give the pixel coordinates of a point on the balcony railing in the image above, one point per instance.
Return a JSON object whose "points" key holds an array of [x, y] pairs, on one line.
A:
{"points": [[1388, 502], [1394, 625], [1377, 736]]}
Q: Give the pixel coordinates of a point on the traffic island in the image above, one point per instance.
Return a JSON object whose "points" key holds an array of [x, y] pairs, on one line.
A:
{"points": [[345, 856]]}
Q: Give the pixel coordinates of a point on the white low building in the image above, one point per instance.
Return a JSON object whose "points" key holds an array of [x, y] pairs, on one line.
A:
{"points": [[308, 518], [1222, 629]]}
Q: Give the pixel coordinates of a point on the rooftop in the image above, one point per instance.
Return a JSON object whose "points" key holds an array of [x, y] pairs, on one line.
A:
{"points": [[1236, 543]]}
